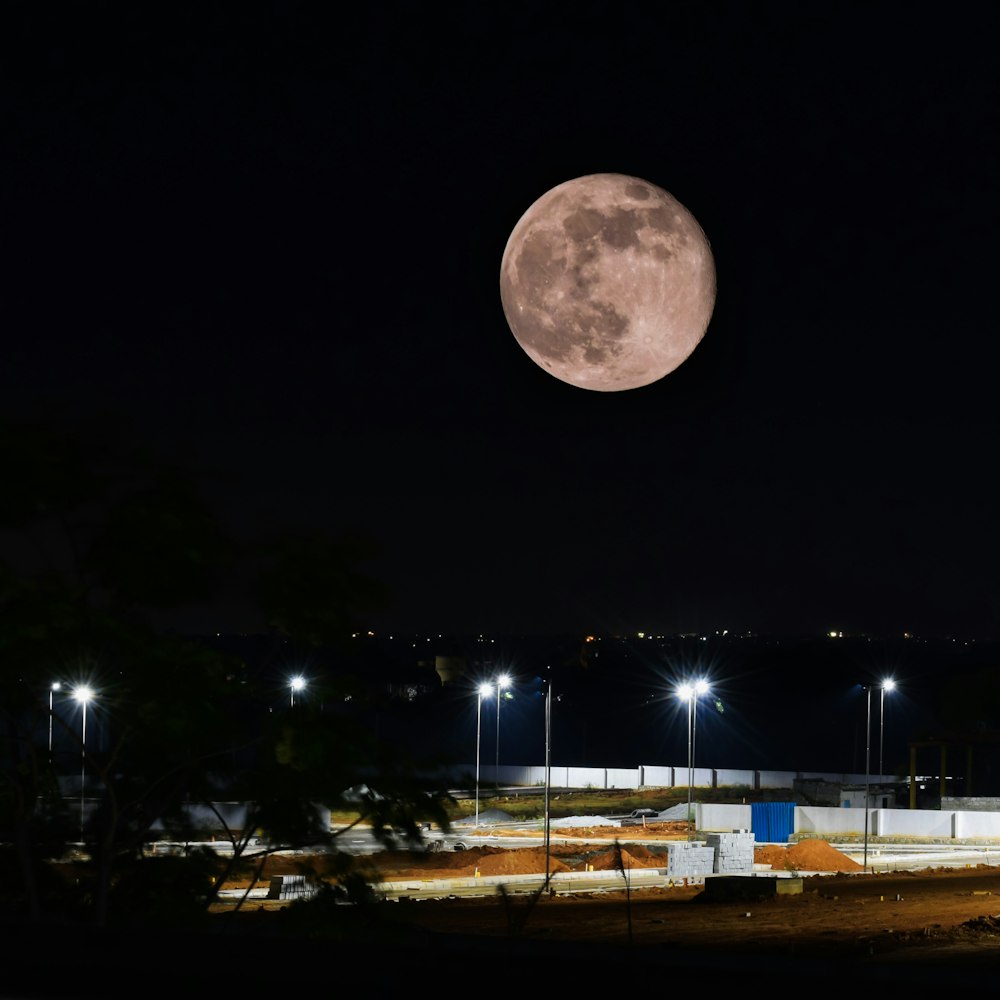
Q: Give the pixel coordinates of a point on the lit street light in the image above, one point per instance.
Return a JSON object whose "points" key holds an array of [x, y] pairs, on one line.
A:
{"points": [[548, 773], [887, 685], [55, 686], [691, 693], [868, 747], [83, 694], [295, 684], [485, 690], [503, 681]]}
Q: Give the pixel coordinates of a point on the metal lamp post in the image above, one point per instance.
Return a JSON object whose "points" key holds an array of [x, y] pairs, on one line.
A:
{"points": [[685, 693], [690, 693], [887, 685], [297, 683], [700, 688], [53, 687], [83, 694], [868, 742], [548, 774], [485, 690], [503, 682]]}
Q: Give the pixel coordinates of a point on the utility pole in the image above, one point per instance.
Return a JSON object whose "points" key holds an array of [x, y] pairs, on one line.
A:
{"points": [[548, 774]]}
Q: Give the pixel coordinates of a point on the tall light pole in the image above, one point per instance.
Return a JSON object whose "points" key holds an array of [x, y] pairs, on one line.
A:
{"points": [[485, 690], [686, 693], [887, 685], [503, 682], [297, 683], [700, 688], [83, 694], [690, 692], [548, 773], [53, 687], [868, 743]]}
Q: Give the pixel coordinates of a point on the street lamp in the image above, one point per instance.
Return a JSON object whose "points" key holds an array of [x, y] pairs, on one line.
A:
{"points": [[691, 693], [83, 694], [887, 685], [503, 681], [53, 687], [297, 683], [548, 772], [868, 744], [485, 690]]}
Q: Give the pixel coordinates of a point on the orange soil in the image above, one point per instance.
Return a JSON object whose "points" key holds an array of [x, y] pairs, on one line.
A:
{"points": [[943, 910]]}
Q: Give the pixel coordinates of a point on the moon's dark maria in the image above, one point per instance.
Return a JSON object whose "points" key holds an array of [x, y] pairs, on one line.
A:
{"points": [[608, 282]]}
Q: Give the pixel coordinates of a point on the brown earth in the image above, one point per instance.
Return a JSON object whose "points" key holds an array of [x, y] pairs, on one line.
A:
{"points": [[927, 933], [902, 916]]}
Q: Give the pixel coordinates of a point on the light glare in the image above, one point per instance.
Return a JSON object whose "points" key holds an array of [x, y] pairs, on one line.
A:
{"points": [[83, 693]]}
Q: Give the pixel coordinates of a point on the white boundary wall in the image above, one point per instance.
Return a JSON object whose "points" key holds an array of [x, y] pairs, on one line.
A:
{"points": [[827, 821], [711, 817], [970, 825], [621, 777], [818, 821], [830, 821], [725, 778], [914, 823], [655, 776]]}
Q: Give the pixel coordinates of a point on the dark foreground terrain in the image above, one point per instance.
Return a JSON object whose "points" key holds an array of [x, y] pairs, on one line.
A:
{"points": [[929, 932]]}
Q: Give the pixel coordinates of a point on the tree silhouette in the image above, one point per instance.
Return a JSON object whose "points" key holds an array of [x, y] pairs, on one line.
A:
{"points": [[92, 544]]}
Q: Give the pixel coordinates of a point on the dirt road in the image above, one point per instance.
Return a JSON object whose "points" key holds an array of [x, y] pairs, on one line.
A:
{"points": [[907, 916]]}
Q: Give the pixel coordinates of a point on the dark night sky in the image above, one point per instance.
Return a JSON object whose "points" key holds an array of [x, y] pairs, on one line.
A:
{"points": [[267, 238]]}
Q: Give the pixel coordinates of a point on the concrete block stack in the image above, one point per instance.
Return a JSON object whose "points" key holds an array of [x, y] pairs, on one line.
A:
{"points": [[689, 858], [733, 851], [290, 887]]}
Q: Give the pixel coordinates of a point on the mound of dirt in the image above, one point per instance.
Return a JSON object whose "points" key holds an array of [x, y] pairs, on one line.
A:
{"points": [[805, 856], [633, 856], [501, 862], [392, 866]]}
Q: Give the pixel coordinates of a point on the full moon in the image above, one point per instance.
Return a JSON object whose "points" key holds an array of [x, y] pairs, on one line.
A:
{"points": [[608, 282]]}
